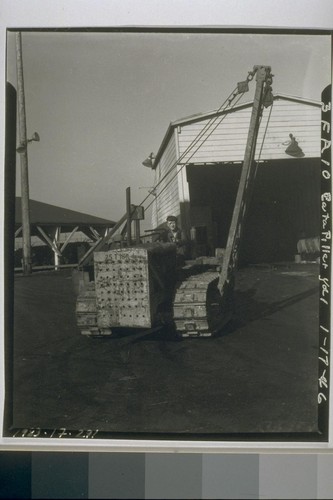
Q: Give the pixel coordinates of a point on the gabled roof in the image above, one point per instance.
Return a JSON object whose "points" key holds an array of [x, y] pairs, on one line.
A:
{"points": [[51, 215], [211, 114]]}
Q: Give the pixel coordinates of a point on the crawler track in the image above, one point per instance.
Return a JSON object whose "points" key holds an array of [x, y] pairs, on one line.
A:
{"points": [[86, 313], [198, 309]]}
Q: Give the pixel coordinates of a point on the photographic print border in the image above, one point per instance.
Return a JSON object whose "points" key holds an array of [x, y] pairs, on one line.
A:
{"points": [[23, 436]]}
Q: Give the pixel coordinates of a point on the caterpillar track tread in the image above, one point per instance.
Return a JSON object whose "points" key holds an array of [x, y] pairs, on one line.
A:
{"points": [[198, 308], [86, 313]]}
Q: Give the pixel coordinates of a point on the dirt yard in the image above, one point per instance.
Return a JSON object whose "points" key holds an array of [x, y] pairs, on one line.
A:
{"points": [[259, 376]]}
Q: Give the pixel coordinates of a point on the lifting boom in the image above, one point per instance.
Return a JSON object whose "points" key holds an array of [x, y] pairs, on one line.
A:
{"points": [[142, 286], [262, 98]]}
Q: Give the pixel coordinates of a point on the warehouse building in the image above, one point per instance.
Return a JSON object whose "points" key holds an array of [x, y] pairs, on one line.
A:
{"points": [[198, 165]]}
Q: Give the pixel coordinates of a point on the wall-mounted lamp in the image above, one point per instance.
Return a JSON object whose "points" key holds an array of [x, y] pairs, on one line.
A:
{"points": [[149, 161], [23, 146], [293, 148]]}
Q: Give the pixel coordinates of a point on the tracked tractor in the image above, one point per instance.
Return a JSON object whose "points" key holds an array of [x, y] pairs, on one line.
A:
{"points": [[141, 286]]}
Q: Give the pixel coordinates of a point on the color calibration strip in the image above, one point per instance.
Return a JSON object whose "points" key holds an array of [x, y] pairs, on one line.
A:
{"points": [[165, 475]]}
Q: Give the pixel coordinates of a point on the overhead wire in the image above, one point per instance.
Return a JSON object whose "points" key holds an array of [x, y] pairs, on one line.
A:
{"points": [[197, 138], [236, 92], [264, 137], [212, 121], [223, 117]]}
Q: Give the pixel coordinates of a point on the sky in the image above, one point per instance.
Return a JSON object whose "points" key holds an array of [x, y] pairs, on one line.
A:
{"points": [[102, 102]]}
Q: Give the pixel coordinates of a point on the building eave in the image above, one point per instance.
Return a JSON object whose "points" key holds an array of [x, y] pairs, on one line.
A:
{"points": [[212, 114]]}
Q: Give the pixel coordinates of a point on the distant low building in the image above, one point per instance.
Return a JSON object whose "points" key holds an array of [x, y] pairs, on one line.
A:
{"points": [[58, 235]]}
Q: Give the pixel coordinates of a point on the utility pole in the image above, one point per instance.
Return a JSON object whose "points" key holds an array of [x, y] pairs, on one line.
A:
{"points": [[22, 127], [129, 216]]}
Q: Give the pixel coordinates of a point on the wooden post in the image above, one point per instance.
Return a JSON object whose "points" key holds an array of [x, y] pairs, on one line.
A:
{"points": [[26, 234], [56, 254], [137, 232], [129, 218], [244, 188]]}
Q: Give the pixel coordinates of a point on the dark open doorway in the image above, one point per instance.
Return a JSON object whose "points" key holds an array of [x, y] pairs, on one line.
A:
{"points": [[285, 206]]}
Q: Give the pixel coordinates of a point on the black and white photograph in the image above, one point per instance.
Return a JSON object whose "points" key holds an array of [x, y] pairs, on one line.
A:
{"points": [[167, 233]]}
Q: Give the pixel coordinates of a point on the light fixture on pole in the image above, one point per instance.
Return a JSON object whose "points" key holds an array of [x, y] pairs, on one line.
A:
{"points": [[23, 146], [23, 151]]}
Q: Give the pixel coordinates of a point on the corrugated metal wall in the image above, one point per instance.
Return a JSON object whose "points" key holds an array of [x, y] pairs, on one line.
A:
{"points": [[227, 142]]}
